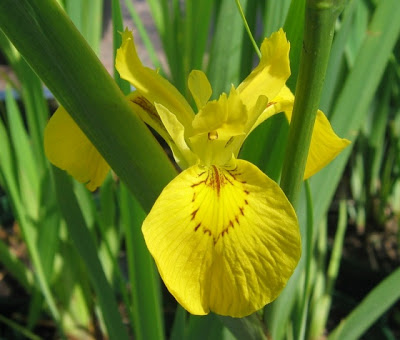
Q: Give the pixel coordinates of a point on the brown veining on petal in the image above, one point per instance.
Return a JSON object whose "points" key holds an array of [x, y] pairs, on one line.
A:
{"points": [[197, 226], [194, 213], [217, 180], [148, 107]]}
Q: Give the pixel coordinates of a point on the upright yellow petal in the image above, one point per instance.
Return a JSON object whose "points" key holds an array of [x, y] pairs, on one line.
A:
{"points": [[199, 87], [154, 87], [227, 116], [224, 240], [325, 146], [271, 74], [68, 148]]}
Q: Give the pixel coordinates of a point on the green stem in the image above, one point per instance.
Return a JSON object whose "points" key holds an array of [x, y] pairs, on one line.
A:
{"points": [[318, 33], [57, 52]]}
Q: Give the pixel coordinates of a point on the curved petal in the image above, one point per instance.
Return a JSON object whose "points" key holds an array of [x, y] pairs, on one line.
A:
{"points": [[148, 113], [227, 115], [68, 148], [325, 146], [199, 87], [154, 87], [182, 153], [224, 240], [283, 102], [271, 74]]}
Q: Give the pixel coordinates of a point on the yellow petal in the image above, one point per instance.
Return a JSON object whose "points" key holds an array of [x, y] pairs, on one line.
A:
{"points": [[67, 147], [270, 75], [283, 102], [227, 116], [148, 113], [199, 87], [224, 240], [182, 153], [325, 145], [154, 87]]}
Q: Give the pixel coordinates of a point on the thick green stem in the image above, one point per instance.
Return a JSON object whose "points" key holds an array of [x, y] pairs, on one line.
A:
{"points": [[57, 52], [318, 33]]}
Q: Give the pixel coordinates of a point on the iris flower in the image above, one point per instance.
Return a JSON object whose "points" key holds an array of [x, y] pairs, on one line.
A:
{"points": [[223, 234]]}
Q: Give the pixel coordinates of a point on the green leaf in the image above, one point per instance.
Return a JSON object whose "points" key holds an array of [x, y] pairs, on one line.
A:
{"points": [[118, 28], [294, 27], [354, 100], [224, 67], [87, 16], [369, 310], [143, 276], [84, 243], [16, 268]]}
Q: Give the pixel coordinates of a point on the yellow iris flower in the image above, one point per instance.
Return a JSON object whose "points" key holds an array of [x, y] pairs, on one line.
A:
{"points": [[223, 235]]}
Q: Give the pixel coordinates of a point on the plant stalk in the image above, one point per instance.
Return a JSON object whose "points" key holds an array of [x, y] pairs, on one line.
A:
{"points": [[318, 33]]}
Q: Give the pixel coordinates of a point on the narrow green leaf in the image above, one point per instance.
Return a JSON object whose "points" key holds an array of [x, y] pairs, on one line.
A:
{"points": [[27, 170], [18, 328], [16, 268], [87, 17], [86, 248], [28, 221], [118, 28], [369, 310], [143, 276], [179, 325], [336, 59], [245, 328], [208, 327], [224, 67], [294, 27], [356, 97], [274, 15], [198, 18]]}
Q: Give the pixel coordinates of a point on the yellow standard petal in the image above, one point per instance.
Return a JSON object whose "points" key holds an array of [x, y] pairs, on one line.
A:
{"points": [[224, 241], [271, 74], [200, 88], [151, 85], [68, 148]]}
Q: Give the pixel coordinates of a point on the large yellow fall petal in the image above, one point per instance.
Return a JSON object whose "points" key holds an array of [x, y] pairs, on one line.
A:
{"points": [[224, 240], [68, 148], [153, 86], [270, 75]]}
